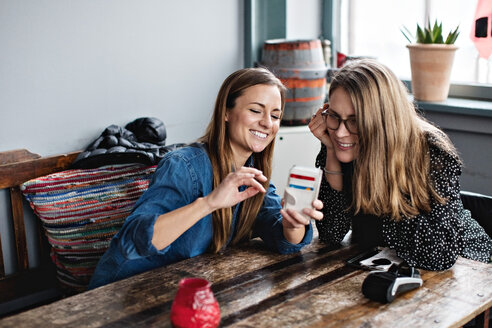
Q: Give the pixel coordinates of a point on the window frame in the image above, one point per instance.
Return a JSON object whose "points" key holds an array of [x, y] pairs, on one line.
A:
{"points": [[263, 20], [331, 30]]}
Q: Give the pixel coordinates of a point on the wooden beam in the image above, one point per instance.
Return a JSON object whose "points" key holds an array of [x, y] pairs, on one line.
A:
{"points": [[17, 155], [14, 174], [19, 229]]}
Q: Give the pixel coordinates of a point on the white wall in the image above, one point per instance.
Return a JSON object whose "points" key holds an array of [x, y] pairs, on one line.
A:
{"points": [[69, 69], [303, 19]]}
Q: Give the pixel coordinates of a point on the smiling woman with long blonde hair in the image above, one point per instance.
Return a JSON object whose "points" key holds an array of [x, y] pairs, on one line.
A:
{"points": [[390, 175], [215, 192]]}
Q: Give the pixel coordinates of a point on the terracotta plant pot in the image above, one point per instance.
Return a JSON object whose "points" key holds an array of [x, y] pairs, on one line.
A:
{"points": [[431, 70]]}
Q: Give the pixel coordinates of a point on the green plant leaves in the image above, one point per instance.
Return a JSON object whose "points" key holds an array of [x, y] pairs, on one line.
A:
{"points": [[452, 36], [406, 33], [421, 36], [431, 34]]}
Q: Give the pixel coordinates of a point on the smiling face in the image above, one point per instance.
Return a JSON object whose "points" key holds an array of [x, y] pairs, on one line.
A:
{"points": [[345, 143], [254, 120]]}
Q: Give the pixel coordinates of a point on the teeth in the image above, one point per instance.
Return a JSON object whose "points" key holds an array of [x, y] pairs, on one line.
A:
{"points": [[346, 144], [259, 134]]}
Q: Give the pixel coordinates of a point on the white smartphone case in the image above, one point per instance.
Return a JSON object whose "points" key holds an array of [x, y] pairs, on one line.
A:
{"points": [[302, 187]]}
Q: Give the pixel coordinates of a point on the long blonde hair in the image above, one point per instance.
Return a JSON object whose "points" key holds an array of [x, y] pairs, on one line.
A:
{"points": [[391, 171], [219, 149]]}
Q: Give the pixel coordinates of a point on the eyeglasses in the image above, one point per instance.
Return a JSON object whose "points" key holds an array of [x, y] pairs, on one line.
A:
{"points": [[333, 122]]}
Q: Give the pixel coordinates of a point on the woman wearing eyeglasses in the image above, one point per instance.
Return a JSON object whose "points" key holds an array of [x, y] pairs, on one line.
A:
{"points": [[389, 174]]}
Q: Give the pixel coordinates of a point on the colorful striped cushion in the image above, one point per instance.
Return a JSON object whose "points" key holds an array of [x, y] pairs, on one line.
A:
{"points": [[81, 210]]}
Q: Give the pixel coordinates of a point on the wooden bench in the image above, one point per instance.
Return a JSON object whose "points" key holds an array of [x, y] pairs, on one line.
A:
{"points": [[28, 286]]}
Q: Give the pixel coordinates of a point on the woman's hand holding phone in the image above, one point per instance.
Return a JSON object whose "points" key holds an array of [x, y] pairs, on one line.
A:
{"points": [[300, 203]]}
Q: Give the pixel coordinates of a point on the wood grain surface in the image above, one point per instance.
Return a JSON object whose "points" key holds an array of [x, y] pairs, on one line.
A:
{"points": [[258, 288]]}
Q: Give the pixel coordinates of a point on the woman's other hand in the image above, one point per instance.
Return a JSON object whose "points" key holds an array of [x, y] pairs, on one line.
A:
{"points": [[169, 226], [294, 223], [227, 193], [318, 128]]}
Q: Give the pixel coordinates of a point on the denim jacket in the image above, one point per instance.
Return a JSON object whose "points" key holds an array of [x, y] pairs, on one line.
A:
{"points": [[182, 176]]}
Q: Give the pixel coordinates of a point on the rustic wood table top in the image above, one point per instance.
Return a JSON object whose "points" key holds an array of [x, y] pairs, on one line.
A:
{"points": [[258, 288]]}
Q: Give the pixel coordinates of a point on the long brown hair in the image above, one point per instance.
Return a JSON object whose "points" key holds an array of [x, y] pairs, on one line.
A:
{"points": [[219, 149], [391, 171]]}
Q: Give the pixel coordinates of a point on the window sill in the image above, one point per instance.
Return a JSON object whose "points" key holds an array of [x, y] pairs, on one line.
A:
{"points": [[459, 114], [462, 106]]}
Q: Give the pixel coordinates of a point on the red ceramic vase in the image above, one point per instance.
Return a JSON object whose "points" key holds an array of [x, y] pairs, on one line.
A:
{"points": [[194, 305]]}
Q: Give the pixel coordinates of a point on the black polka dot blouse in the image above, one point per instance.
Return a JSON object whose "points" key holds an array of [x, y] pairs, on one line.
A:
{"points": [[431, 241]]}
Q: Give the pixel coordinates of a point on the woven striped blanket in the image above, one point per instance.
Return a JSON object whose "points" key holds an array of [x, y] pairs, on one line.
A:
{"points": [[81, 210]]}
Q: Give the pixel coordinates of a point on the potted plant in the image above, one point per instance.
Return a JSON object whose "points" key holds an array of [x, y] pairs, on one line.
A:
{"points": [[431, 60]]}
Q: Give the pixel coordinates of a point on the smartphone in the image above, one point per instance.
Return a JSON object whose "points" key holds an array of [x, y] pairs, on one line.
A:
{"points": [[377, 258], [302, 188], [355, 261]]}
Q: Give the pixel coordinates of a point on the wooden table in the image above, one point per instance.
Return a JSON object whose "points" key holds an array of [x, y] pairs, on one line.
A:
{"points": [[257, 288]]}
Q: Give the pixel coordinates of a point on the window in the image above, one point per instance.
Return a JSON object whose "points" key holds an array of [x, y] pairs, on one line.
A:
{"points": [[372, 28]]}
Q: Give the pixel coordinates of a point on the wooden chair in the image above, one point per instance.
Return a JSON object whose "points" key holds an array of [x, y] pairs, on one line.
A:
{"points": [[29, 286], [480, 207]]}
